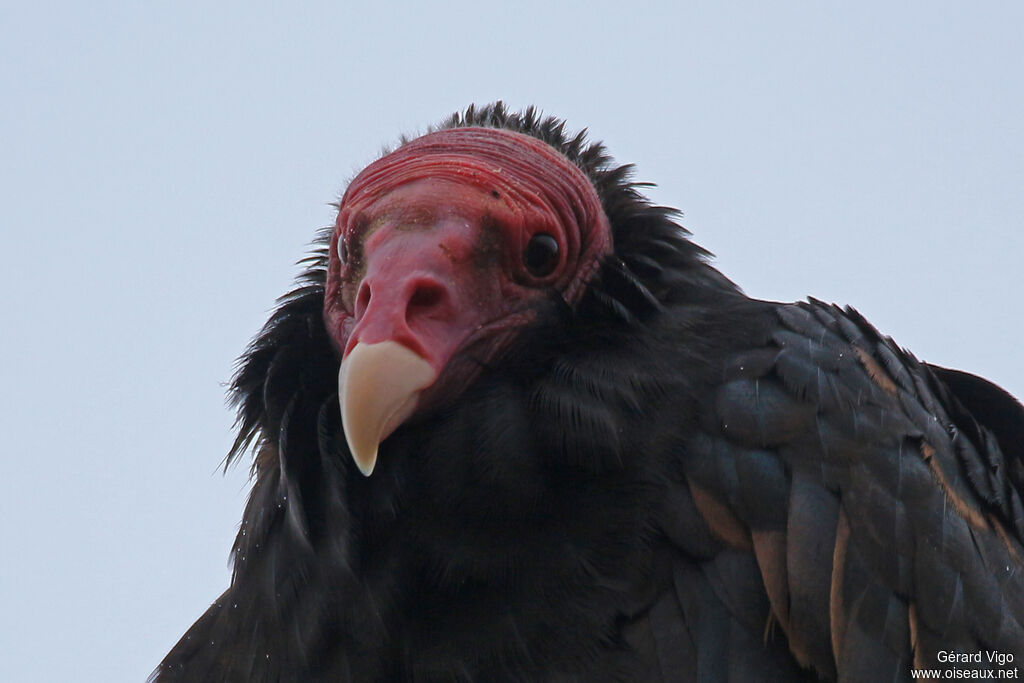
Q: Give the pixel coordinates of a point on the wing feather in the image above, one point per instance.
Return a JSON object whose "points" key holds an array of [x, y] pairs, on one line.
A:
{"points": [[884, 519]]}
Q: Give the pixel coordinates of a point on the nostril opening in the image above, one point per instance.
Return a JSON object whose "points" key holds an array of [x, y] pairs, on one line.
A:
{"points": [[426, 297], [363, 300]]}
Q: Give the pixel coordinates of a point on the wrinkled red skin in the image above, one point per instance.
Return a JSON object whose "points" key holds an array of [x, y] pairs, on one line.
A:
{"points": [[435, 234]]}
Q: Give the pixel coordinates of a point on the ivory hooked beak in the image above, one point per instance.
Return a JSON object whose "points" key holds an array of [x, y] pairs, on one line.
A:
{"points": [[379, 386]]}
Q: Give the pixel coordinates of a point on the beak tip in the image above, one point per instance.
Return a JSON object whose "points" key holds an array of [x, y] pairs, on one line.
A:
{"points": [[363, 454], [367, 468]]}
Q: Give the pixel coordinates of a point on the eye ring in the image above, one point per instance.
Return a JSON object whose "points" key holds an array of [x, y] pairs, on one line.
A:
{"points": [[541, 255]]}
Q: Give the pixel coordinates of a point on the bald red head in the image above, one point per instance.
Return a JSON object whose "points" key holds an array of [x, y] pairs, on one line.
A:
{"points": [[444, 245]]}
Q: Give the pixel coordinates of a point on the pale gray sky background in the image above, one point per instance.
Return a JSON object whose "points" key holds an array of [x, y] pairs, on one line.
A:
{"points": [[163, 165]]}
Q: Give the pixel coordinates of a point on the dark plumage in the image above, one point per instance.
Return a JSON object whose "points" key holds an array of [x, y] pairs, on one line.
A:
{"points": [[663, 480]]}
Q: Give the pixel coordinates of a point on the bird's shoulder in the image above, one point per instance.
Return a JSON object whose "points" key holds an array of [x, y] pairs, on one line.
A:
{"points": [[875, 499], [825, 389]]}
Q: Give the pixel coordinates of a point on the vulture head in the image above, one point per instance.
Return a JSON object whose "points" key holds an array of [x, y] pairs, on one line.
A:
{"points": [[442, 250]]}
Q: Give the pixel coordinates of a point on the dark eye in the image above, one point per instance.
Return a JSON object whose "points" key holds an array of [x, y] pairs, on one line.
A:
{"points": [[342, 250], [541, 254]]}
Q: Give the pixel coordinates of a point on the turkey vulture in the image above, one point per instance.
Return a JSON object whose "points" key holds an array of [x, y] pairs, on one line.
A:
{"points": [[511, 425]]}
